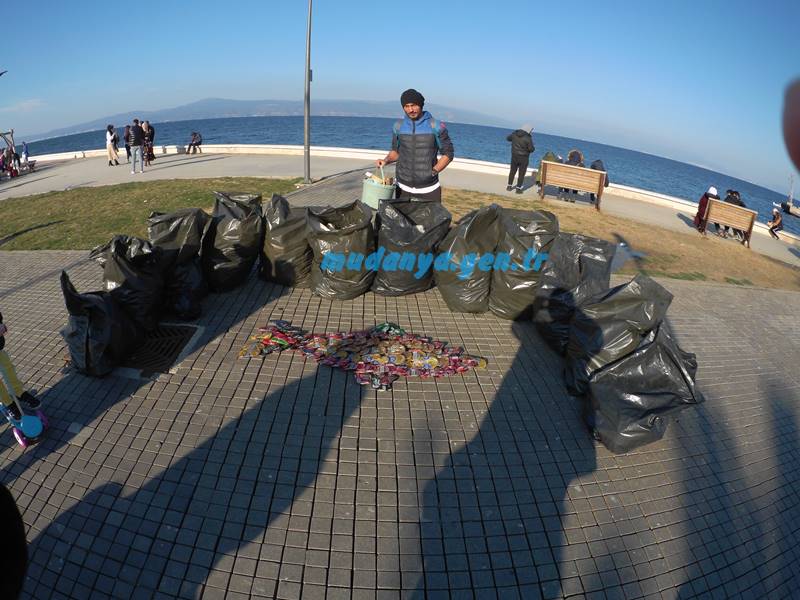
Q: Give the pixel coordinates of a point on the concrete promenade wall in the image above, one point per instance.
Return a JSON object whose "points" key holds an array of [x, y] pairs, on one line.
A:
{"points": [[476, 166]]}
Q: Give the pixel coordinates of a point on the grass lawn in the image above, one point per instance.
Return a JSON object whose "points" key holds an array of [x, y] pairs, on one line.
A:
{"points": [[86, 217], [667, 253]]}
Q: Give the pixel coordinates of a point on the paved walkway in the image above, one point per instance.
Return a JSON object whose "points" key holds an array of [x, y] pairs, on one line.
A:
{"points": [[275, 478], [95, 171]]}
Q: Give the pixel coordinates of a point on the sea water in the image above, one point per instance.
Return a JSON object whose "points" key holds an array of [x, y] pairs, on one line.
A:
{"points": [[626, 167]]}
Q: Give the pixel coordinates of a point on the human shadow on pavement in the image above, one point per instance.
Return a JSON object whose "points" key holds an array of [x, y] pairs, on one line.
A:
{"points": [[687, 220], [742, 515], [493, 519], [245, 493]]}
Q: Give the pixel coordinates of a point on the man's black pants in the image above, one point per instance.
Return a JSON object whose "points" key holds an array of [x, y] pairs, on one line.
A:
{"points": [[518, 164]]}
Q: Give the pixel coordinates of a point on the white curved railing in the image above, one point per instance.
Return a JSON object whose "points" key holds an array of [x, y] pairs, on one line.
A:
{"points": [[464, 164]]}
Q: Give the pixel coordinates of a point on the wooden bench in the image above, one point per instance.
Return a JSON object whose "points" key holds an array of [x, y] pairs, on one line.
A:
{"points": [[731, 215], [572, 178]]}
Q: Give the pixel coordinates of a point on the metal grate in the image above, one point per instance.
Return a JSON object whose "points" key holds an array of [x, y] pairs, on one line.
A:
{"points": [[161, 348]]}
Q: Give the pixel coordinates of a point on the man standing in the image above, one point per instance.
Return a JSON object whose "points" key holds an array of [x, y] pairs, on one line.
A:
{"points": [[135, 140], [521, 148], [417, 141]]}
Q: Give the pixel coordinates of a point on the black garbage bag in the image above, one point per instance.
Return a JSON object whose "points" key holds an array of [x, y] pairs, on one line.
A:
{"points": [[180, 237], [342, 240], [611, 326], [631, 400], [234, 239], [408, 235], [525, 240], [178, 234], [578, 267], [132, 274], [463, 284], [99, 333], [287, 257]]}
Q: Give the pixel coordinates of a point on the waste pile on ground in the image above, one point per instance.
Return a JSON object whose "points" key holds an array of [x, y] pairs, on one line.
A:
{"points": [[620, 360], [578, 268], [179, 235], [408, 230], [234, 240], [526, 237], [378, 356], [632, 399], [132, 274], [99, 333], [286, 257], [344, 231], [464, 286]]}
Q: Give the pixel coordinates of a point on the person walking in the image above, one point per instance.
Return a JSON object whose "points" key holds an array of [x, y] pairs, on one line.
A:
{"points": [[135, 140], [521, 148], [422, 148], [113, 157]]}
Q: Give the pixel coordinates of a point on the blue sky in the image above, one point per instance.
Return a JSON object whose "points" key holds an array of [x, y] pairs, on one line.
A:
{"points": [[699, 82]]}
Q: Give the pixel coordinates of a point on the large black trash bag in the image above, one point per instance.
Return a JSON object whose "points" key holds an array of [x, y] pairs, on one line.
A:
{"points": [[408, 230], [180, 237], [578, 267], [132, 274], [344, 232], [99, 333], [463, 285], [610, 326], [631, 400], [526, 237], [287, 256], [233, 242]]}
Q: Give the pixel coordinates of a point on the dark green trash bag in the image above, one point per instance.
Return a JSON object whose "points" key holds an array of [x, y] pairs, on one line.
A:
{"points": [[234, 239], [342, 238], [180, 237], [578, 267], [632, 400], [408, 230], [463, 285], [286, 257], [610, 326], [525, 238]]}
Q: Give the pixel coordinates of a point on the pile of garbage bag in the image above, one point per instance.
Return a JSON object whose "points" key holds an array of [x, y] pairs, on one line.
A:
{"points": [[408, 230], [99, 333], [286, 257], [620, 359], [346, 232], [234, 240], [179, 235]]}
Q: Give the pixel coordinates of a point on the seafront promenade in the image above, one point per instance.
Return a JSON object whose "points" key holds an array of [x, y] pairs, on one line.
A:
{"points": [[287, 161], [278, 478]]}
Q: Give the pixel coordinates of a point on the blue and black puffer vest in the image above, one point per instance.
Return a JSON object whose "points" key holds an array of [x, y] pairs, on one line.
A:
{"points": [[418, 144]]}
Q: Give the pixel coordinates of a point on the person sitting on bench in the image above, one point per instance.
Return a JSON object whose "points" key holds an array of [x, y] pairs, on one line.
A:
{"points": [[196, 142]]}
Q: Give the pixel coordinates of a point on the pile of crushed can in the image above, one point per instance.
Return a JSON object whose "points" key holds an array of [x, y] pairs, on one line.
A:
{"points": [[378, 356]]}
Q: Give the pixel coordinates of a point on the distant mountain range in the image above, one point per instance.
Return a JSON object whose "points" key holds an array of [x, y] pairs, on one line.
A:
{"points": [[214, 108]]}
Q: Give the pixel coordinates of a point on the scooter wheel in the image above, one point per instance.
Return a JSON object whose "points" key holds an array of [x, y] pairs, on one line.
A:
{"points": [[21, 439], [43, 419]]}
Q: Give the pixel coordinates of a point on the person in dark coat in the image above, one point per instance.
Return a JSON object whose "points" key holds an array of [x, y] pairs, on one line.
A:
{"points": [[700, 216], [549, 156], [731, 197], [521, 148], [598, 166], [574, 158], [14, 549]]}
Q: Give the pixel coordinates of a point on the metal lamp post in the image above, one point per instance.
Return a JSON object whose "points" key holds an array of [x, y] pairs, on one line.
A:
{"points": [[307, 103]]}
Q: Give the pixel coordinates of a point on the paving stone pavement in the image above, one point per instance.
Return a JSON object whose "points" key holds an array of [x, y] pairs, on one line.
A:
{"points": [[276, 478]]}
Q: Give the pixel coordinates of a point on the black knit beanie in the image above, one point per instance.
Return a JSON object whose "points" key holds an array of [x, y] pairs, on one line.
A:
{"points": [[412, 96]]}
